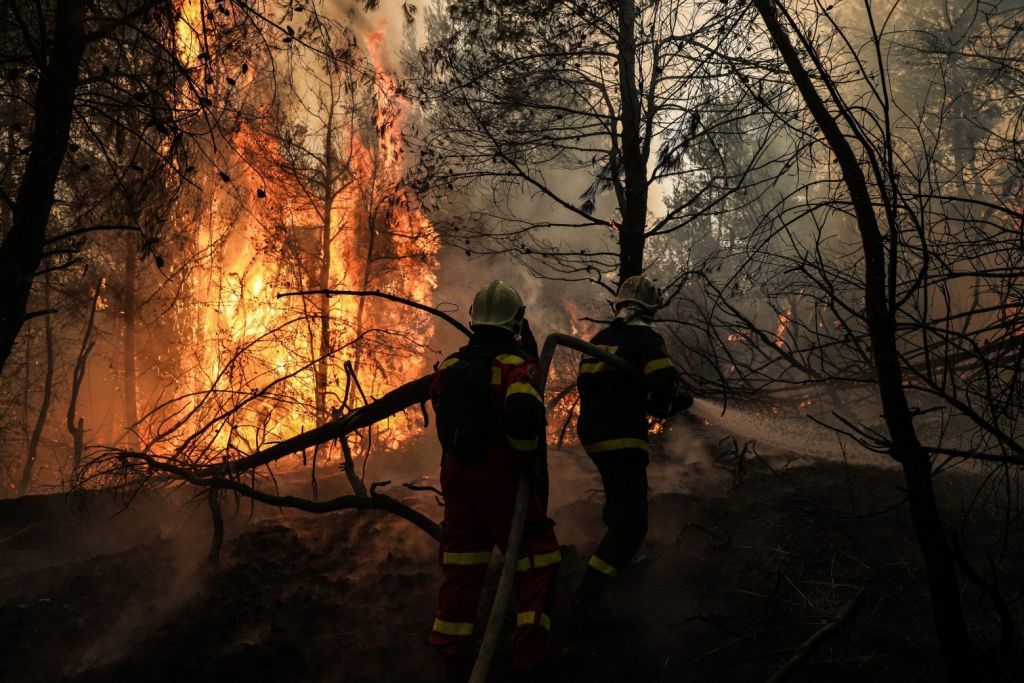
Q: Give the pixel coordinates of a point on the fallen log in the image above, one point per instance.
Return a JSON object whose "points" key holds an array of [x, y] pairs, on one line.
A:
{"points": [[373, 501], [395, 401], [389, 297]]}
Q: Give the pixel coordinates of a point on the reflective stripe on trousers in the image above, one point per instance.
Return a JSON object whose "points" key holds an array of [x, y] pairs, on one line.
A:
{"points": [[617, 445]]}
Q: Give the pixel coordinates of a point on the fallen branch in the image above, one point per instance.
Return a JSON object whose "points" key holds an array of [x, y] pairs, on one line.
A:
{"points": [[384, 295], [213, 500], [395, 401], [811, 645], [375, 501]]}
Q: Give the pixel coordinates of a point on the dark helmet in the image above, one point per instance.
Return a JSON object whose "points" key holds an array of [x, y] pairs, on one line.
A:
{"points": [[638, 290]]}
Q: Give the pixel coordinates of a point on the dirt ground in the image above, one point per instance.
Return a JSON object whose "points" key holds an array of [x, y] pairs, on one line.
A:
{"points": [[734, 576]]}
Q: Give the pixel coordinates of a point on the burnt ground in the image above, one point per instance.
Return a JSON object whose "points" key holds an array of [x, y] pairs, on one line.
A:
{"points": [[735, 575]]}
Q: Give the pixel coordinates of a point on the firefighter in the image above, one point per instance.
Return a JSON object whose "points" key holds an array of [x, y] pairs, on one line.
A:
{"points": [[490, 421], [613, 429]]}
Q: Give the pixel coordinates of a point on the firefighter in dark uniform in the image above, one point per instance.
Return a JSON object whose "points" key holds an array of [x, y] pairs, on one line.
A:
{"points": [[613, 429], [490, 421]]}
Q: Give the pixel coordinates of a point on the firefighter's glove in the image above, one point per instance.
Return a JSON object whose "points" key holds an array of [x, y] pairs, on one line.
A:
{"points": [[526, 337], [682, 400]]}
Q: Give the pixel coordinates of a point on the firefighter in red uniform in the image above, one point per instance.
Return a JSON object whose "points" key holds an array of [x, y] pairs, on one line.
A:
{"points": [[613, 429], [490, 421]]}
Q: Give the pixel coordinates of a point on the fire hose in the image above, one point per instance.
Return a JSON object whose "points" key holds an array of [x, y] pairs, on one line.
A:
{"points": [[506, 582]]}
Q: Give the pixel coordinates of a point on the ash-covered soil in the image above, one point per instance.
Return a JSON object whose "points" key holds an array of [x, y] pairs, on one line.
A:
{"points": [[734, 576]]}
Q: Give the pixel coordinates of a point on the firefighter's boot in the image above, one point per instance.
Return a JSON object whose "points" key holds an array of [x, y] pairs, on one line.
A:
{"points": [[585, 607], [458, 669]]}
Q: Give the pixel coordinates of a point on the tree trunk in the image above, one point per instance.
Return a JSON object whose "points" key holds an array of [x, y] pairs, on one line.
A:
{"points": [[9, 152], [324, 279], [44, 405], [26, 390], [131, 410], [77, 428], [634, 166], [21, 251], [371, 245], [951, 630]]}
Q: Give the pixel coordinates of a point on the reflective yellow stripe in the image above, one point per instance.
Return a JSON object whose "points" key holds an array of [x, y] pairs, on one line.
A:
{"points": [[482, 557], [522, 388], [538, 561], [453, 628], [495, 376], [545, 559], [656, 365], [523, 444], [448, 363], [591, 364], [602, 566], [510, 359], [587, 367], [615, 445], [530, 618]]}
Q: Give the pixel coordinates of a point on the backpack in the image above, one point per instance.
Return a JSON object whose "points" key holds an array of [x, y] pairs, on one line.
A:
{"points": [[462, 404]]}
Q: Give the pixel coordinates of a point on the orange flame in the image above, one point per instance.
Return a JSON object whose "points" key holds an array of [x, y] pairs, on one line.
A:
{"points": [[250, 359]]}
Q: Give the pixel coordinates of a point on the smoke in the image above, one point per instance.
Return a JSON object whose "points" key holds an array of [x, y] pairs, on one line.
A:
{"points": [[383, 28], [784, 435], [146, 611]]}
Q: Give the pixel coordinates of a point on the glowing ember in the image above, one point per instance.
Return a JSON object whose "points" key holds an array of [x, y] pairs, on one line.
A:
{"points": [[780, 331]]}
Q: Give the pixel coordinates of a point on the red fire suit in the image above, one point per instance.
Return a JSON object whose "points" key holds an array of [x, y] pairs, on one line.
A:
{"points": [[479, 501]]}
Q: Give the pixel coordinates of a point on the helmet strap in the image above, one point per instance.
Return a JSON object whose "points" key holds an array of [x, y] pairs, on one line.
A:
{"points": [[629, 311]]}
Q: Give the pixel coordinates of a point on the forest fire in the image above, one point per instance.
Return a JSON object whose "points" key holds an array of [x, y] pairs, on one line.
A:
{"points": [[309, 309], [249, 341], [258, 367]]}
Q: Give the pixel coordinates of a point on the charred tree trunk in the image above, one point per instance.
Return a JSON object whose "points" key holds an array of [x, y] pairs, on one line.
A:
{"points": [[131, 410], [371, 249], [44, 405], [372, 217], [21, 251], [77, 427], [324, 302], [634, 165], [26, 426], [953, 637], [9, 152], [217, 519]]}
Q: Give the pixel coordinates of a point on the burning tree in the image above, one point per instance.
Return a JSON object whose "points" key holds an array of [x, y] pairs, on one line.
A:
{"points": [[97, 139], [300, 205], [104, 80], [315, 203]]}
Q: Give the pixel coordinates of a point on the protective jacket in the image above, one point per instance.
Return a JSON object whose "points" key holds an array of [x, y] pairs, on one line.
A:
{"points": [[613, 406], [613, 428], [479, 485]]}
